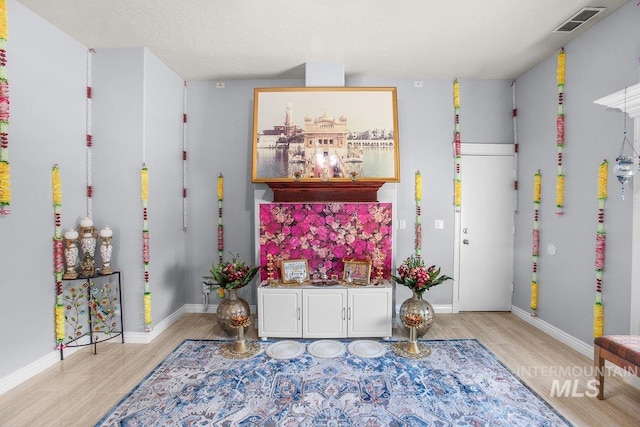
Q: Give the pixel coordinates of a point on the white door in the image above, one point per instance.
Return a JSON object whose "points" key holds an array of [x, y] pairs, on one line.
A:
{"points": [[485, 229]]}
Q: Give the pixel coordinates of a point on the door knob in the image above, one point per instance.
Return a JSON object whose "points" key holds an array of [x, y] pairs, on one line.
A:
{"points": [[465, 242]]}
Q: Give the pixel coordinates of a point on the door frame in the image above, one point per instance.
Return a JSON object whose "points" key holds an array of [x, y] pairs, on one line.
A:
{"points": [[471, 149]]}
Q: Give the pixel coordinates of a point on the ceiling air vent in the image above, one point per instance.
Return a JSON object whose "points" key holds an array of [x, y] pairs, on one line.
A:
{"points": [[582, 16]]}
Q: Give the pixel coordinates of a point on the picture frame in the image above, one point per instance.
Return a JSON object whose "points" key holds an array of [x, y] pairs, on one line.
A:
{"points": [[325, 133], [357, 271], [294, 271]]}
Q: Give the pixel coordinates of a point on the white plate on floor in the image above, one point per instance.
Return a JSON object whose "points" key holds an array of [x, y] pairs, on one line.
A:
{"points": [[326, 348], [285, 349], [367, 348]]}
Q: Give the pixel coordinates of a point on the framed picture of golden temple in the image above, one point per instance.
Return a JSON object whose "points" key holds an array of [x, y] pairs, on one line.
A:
{"points": [[324, 134]]}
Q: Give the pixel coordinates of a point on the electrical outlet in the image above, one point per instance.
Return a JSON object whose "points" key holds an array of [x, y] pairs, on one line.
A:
{"points": [[439, 224], [219, 85], [402, 224], [418, 83]]}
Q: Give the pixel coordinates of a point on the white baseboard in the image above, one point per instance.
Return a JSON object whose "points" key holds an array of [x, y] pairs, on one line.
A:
{"points": [[211, 308], [48, 360], [579, 346], [147, 337]]}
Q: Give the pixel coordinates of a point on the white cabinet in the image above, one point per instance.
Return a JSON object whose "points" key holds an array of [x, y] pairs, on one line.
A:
{"points": [[369, 312], [279, 313], [324, 313], [335, 312]]}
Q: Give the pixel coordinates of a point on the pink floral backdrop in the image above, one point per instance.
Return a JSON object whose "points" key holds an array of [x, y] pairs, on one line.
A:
{"points": [[325, 234]]}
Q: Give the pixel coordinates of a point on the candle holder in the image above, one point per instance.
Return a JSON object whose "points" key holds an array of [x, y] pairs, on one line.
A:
{"points": [[412, 348], [241, 348], [105, 250], [88, 238], [71, 254]]}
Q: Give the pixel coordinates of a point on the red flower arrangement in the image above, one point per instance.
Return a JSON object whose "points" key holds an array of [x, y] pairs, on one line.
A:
{"points": [[233, 274], [415, 275]]}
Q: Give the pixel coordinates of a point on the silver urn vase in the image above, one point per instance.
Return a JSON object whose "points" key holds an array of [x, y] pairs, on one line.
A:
{"points": [[417, 306], [232, 305]]}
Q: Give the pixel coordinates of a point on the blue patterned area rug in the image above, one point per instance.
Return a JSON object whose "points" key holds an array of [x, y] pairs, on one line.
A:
{"points": [[460, 384]]}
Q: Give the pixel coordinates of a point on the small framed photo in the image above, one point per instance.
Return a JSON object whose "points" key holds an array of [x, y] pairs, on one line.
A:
{"points": [[294, 271], [357, 271]]}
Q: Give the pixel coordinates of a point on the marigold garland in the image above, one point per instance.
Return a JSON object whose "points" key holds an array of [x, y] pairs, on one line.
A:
{"points": [[537, 185], [144, 193], [220, 226], [5, 169], [457, 146], [560, 77], [418, 198], [58, 254], [598, 308]]}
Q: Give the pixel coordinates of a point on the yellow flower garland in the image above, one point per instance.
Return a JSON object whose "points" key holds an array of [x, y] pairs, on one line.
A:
{"points": [[537, 189], [418, 186], [534, 296], [220, 187], [561, 70], [457, 146], [56, 186], [598, 320], [5, 183], [560, 191], [5, 169], [144, 193], [560, 78], [603, 180], [144, 183], [59, 321], [456, 94], [537, 186], [4, 26], [598, 307], [147, 308]]}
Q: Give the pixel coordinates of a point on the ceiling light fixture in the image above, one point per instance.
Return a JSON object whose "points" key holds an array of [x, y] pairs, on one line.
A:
{"points": [[624, 168]]}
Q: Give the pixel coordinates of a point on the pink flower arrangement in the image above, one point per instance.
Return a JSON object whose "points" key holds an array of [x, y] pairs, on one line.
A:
{"points": [[326, 233], [415, 275]]}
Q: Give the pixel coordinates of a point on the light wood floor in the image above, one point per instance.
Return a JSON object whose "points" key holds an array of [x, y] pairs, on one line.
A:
{"points": [[81, 389]]}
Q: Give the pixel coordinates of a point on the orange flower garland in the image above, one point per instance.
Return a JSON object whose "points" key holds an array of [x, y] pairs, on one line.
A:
{"points": [[144, 194], [5, 169], [537, 184], [220, 189], [418, 197], [58, 255], [457, 146], [598, 308], [560, 77]]}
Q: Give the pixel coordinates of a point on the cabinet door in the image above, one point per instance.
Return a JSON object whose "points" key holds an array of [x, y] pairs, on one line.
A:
{"points": [[370, 312], [279, 313], [324, 313]]}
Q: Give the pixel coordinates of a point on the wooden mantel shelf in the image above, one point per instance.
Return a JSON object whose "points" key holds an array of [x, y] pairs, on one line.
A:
{"points": [[325, 191]]}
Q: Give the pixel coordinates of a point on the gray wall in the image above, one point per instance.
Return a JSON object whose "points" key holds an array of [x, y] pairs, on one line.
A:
{"points": [[601, 61], [220, 125], [46, 71], [136, 99]]}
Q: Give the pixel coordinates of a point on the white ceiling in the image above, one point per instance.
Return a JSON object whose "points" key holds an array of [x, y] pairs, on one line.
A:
{"points": [[264, 39]]}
